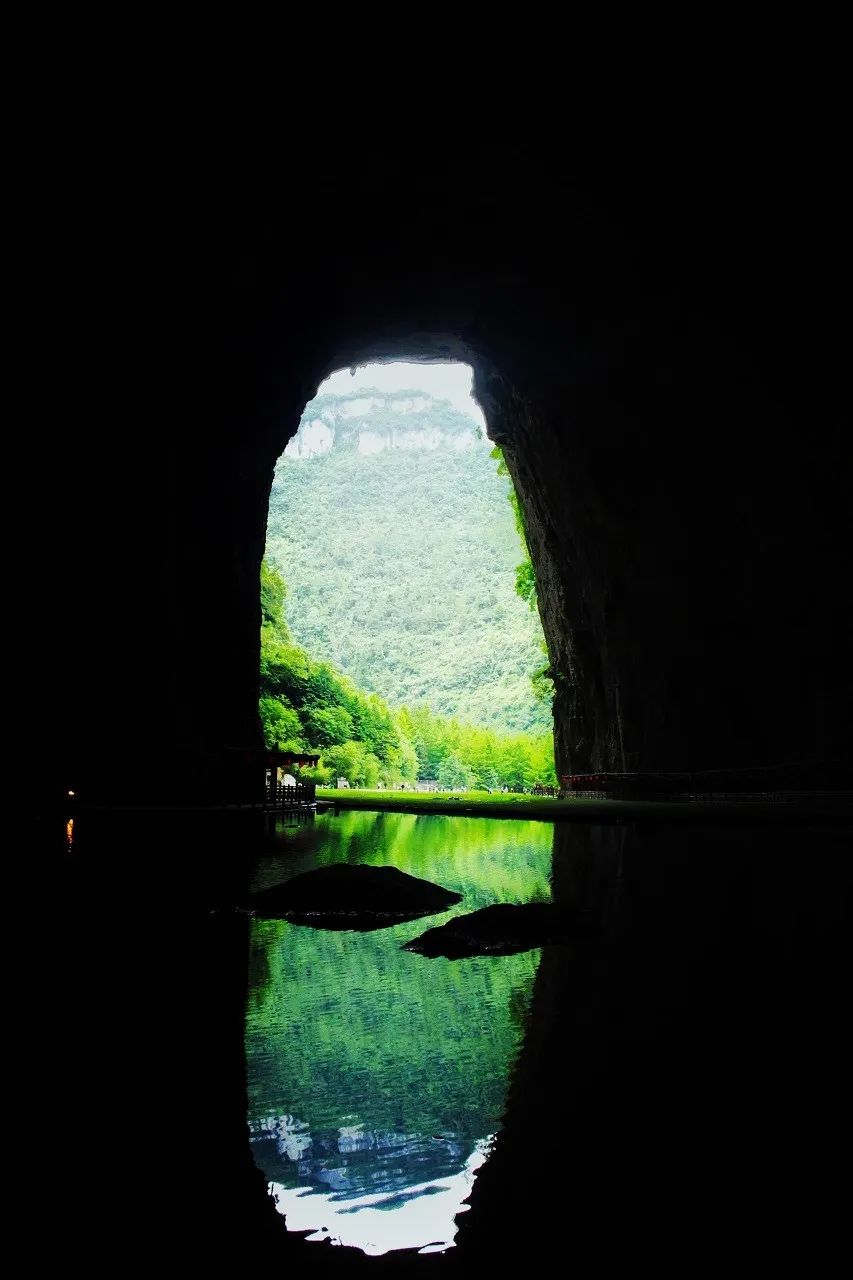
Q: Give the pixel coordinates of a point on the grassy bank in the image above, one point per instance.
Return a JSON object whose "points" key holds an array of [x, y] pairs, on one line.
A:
{"points": [[485, 803], [580, 809]]}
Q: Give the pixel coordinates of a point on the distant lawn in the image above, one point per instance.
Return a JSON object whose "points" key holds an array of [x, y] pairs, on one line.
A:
{"points": [[509, 804], [518, 805]]}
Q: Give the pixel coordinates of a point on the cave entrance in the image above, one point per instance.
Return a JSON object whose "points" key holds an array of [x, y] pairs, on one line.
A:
{"points": [[401, 639]]}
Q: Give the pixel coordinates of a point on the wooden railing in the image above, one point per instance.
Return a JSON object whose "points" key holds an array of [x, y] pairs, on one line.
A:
{"points": [[291, 797], [759, 785]]}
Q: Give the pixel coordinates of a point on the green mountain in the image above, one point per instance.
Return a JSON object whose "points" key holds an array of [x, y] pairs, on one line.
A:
{"points": [[390, 523], [308, 705]]}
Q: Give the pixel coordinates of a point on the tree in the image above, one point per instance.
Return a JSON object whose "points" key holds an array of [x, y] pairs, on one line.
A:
{"points": [[273, 593], [407, 586], [309, 705], [454, 774], [281, 725], [370, 770], [328, 726], [346, 761]]}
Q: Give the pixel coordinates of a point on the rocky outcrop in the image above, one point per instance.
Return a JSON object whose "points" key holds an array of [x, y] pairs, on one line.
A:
{"points": [[352, 897], [502, 930], [368, 423]]}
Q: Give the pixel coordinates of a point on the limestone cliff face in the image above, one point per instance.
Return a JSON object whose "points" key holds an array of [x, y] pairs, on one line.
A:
{"points": [[373, 423]]}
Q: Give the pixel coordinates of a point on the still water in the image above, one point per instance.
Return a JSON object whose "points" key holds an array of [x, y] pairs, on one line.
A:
{"points": [[377, 1078]]}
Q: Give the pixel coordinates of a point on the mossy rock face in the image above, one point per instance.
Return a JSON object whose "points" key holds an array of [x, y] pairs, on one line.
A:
{"points": [[503, 930], [352, 897]]}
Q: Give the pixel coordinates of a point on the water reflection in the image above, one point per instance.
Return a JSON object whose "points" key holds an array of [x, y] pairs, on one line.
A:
{"points": [[377, 1078], [420, 1217]]}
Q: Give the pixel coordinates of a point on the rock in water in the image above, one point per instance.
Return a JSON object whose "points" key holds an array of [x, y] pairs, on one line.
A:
{"points": [[352, 897], [502, 930]]}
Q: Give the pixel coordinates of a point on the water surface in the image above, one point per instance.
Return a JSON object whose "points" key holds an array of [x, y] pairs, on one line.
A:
{"points": [[377, 1078]]}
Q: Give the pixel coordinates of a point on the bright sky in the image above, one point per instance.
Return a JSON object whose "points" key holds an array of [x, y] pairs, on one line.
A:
{"points": [[451, 382]]}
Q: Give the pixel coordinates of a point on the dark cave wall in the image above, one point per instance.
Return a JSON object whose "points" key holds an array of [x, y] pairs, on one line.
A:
{"points": [[687, 516], [686, 570], [688, 567], [178, 333], [660, 482]]}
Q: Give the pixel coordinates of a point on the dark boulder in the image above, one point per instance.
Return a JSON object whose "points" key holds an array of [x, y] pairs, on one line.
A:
{"points": [[502, 930], [352, 897]]}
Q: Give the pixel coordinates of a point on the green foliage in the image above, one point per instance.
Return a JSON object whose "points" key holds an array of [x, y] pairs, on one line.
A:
{"points": [[543, 685], [525, 586], [490, 760], [321, 775], [281, 724], [307, 705], [377, 1033], [455, 774], [272, 599], [525, 583], [400, 562], [327, 726]]}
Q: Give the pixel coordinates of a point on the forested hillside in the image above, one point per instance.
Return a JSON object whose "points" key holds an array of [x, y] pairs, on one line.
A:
{"points": [[308, 705], [390, 523]]}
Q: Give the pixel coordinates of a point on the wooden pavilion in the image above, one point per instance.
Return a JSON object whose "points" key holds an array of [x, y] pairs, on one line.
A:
{"points": [[282, 790]]}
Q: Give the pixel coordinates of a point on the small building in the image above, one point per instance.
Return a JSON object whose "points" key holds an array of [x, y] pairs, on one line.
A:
{"points": [[281, 787], [426, 784]]}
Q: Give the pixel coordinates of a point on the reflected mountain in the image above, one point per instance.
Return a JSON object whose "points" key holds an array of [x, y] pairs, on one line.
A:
{"points": [[376, 1082]]}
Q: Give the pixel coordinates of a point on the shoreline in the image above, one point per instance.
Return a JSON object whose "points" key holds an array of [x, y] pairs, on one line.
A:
{"points": [[819, 807]]}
